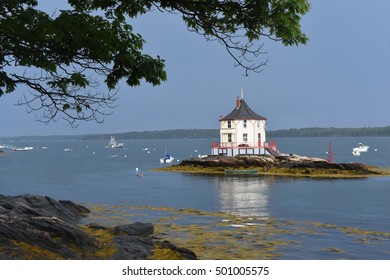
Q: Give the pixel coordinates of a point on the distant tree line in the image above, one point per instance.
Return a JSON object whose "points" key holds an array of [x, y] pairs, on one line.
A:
{"points": [[214, 133], [161, 134], [331, 132]]}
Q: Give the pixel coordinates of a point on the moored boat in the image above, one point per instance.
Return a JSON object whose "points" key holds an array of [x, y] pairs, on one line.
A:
{"points": [[113, 144], [25, 148], [167, 159], [361, 148]]}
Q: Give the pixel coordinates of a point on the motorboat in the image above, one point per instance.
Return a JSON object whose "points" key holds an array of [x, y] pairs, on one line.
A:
{"points": [[167, 159], [14, 148], [361, 148], [113, 144], [26, 148]]}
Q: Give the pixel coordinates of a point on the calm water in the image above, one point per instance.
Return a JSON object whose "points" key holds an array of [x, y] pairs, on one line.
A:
{"points": [[91, 174]]}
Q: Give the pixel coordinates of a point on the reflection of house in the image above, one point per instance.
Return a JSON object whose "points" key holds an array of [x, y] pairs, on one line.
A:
{"points": [[242, 132], [244, 196]]}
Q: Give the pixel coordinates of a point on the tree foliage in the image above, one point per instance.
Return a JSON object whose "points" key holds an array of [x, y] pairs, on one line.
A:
{"points": [[63, 57]]}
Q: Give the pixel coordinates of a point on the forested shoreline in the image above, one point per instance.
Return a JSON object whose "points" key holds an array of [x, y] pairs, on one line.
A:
{"points": [[214, 134], [331, 132]]}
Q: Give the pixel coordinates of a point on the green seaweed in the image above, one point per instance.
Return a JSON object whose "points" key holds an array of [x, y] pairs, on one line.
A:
{"points": [[281, 171], [333, 250], [219, 235]]}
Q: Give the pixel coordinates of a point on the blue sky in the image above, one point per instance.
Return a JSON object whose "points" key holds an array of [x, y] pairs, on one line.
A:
{"points": [[339, 79]]}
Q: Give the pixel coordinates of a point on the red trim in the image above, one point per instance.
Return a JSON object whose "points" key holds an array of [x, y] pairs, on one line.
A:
{"points": [[272, 145]]}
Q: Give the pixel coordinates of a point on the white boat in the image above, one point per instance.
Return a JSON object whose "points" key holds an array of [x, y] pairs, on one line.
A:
{"points": [[113, 144], [361, 148], [167, 159], [26, 148]]}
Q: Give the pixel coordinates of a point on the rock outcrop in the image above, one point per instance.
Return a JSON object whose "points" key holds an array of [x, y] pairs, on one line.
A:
{"points": [[39, 227], [282, 161]]}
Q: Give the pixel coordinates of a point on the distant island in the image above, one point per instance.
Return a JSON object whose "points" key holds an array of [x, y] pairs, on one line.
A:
{"points": [[214, 134], [331, 132], [160, 134]]}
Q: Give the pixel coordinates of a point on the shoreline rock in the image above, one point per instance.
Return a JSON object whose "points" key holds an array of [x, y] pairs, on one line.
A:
{"points": [[284, 164], [39, 227]]}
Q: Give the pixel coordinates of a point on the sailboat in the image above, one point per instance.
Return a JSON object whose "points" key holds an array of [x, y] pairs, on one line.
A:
{"points": [[167, 158]]}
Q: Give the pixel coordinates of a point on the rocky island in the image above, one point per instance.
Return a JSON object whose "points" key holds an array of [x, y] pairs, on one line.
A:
{"points": [[39, 227], [243, 148], [278, 165]]}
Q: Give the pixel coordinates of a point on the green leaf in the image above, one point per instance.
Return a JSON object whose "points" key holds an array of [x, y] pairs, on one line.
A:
{"points": [[65, 107]]}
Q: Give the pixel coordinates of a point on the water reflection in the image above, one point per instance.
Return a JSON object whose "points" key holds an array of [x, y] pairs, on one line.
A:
{"points": [[244, 196]]}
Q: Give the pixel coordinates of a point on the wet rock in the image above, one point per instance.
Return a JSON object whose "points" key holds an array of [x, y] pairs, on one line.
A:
{"points": [[36, 206], [133, 248], [42, 222], [136, 229], [39, 227], [185, 253]]}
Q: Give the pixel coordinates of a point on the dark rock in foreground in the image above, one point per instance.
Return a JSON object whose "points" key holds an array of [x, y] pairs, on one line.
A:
{"points": [[33, 222], [39, 227]]}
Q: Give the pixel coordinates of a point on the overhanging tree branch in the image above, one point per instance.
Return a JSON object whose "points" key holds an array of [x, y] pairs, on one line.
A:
{"points": [[91, 44]]}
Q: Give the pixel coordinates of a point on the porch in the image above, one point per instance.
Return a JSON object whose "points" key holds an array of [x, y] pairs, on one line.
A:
{"points": [[246, 148]]}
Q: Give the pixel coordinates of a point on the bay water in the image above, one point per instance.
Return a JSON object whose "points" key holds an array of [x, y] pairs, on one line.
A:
{"points": [[317, 218]]}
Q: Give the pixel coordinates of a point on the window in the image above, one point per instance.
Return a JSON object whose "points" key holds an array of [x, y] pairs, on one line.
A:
{"points": [[229, 124], [229, 137], [244, 123], [245, 137]]}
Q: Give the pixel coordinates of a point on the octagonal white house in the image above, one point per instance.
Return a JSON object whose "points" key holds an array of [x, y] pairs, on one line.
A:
{"points": [[242, 132]]}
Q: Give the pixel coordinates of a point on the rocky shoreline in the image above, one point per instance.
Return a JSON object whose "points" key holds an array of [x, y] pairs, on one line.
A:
{"points": [[283, 165], [39, 227]]}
